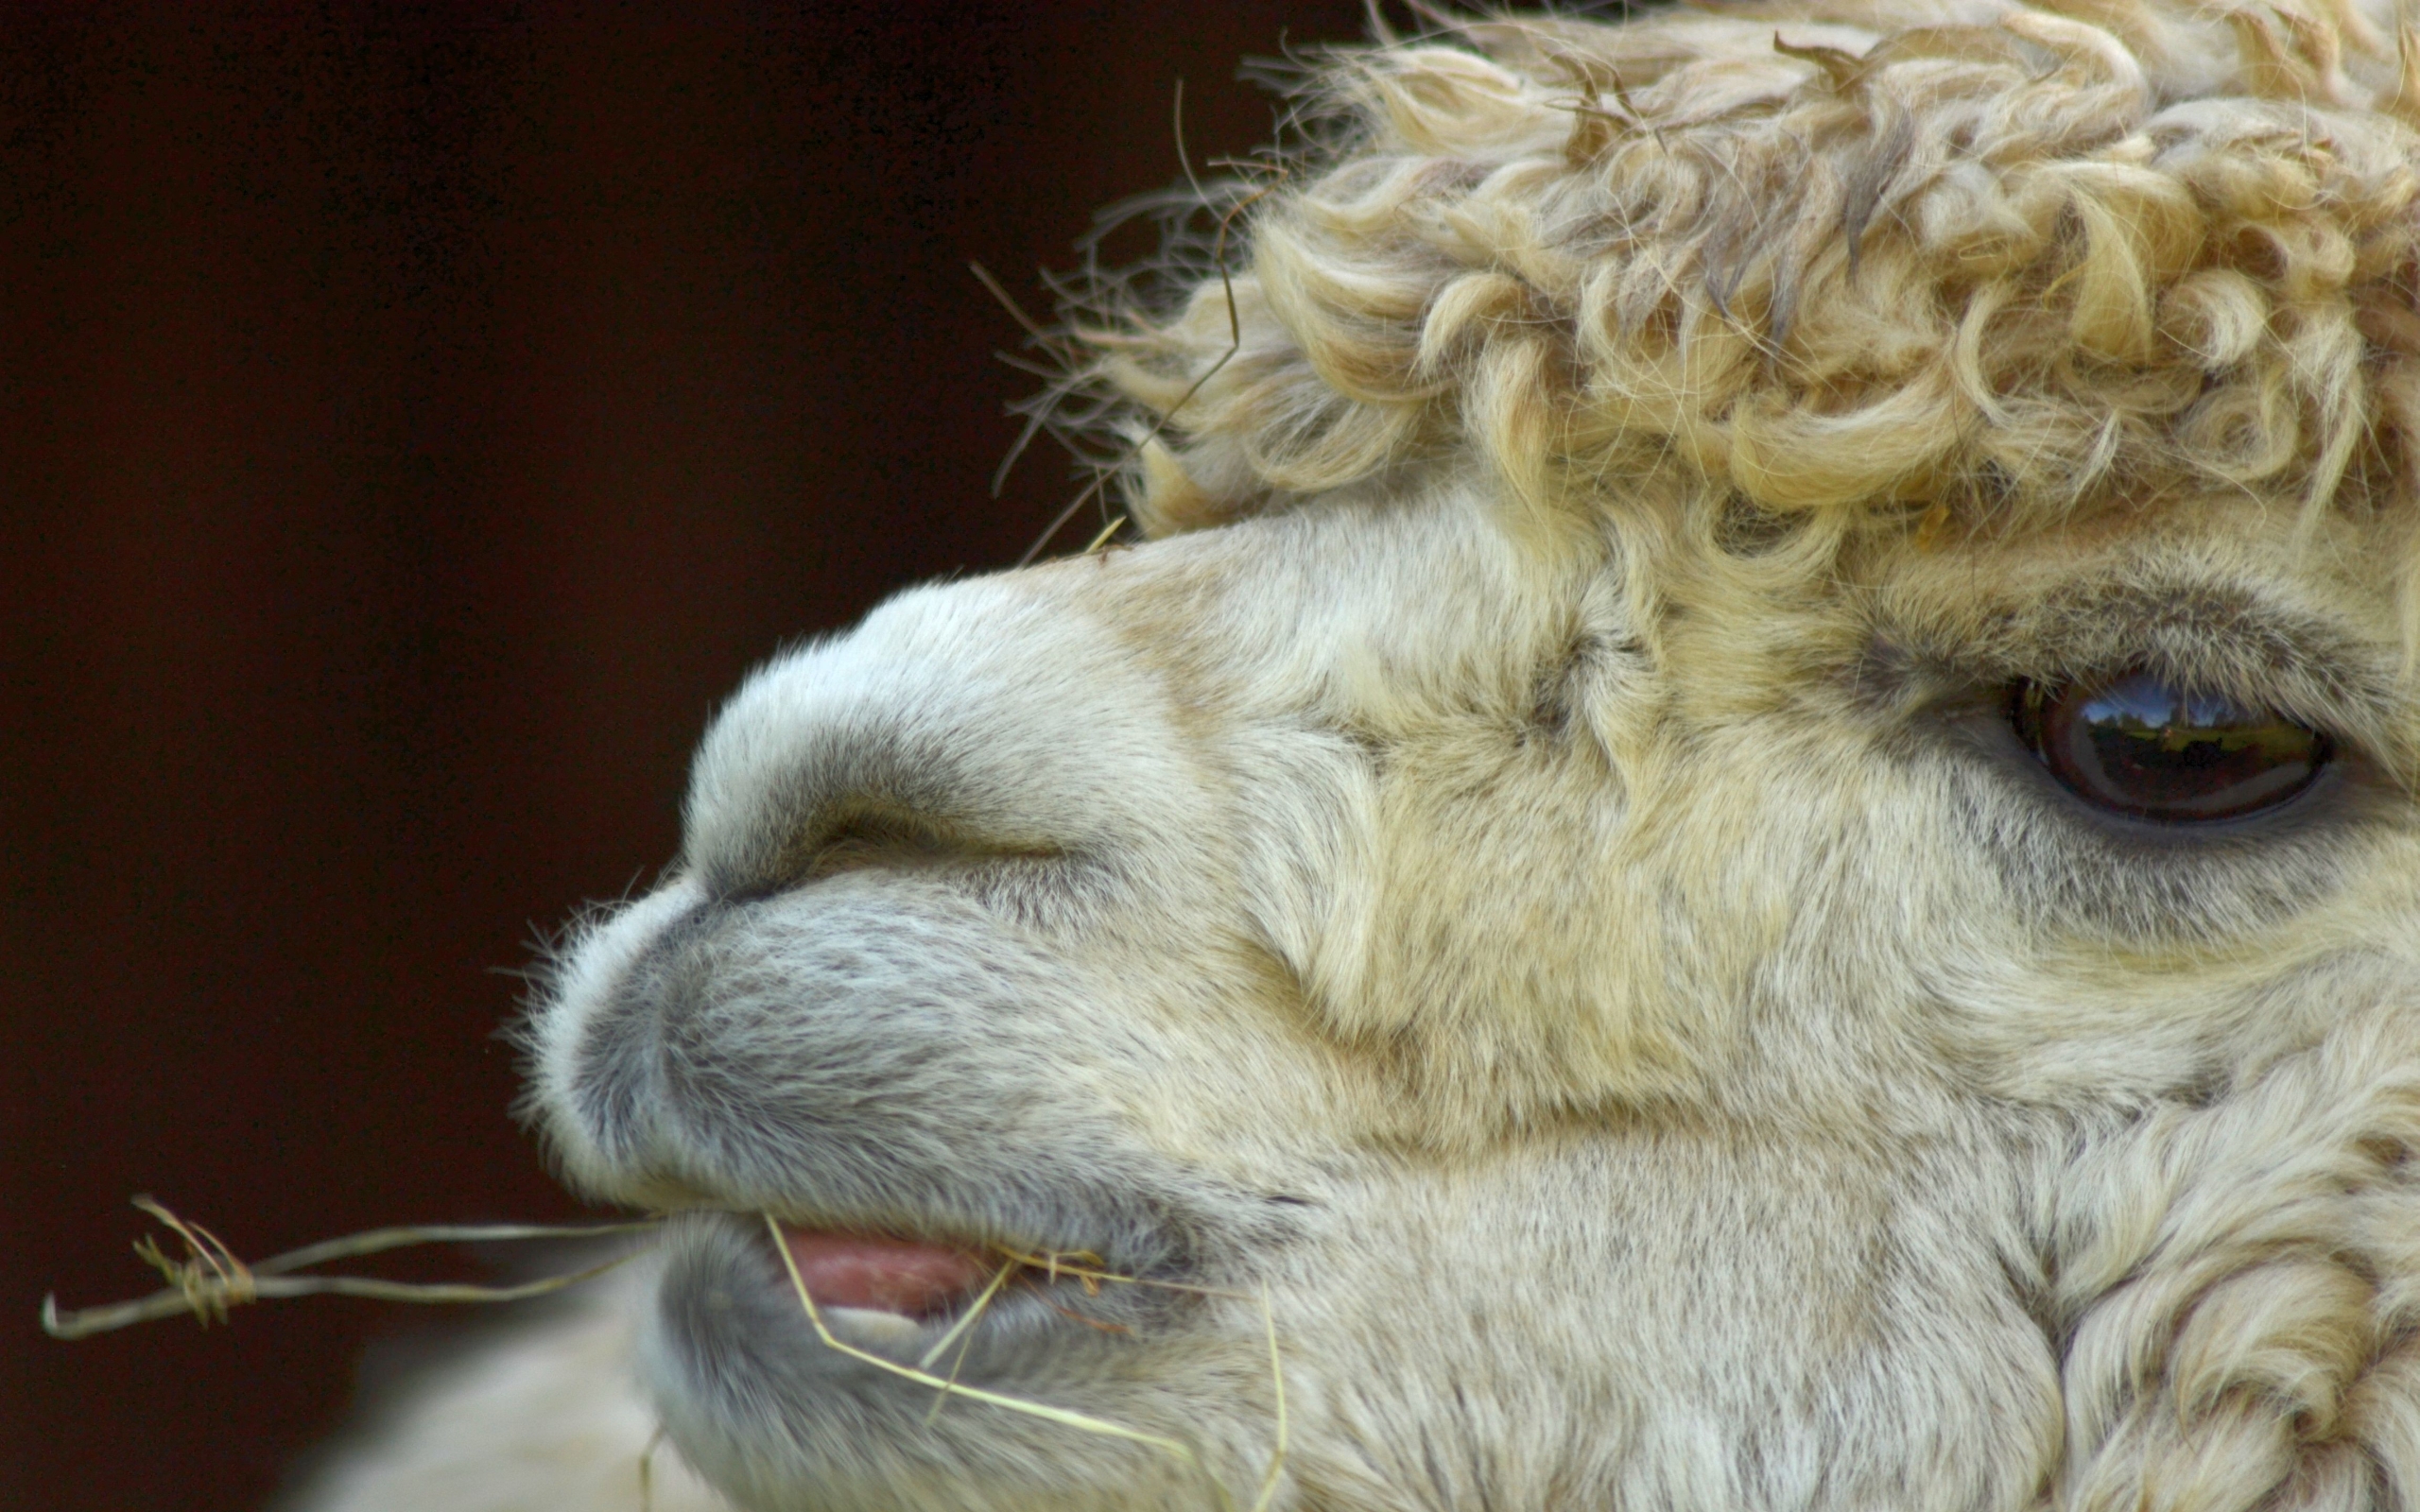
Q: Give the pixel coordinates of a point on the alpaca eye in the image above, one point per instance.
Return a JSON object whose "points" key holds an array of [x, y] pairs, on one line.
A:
{"points": [[2142, 747]]}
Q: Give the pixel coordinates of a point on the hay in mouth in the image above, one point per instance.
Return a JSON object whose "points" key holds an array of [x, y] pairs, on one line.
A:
{"points": [[945, 1389], [908, 1279]]}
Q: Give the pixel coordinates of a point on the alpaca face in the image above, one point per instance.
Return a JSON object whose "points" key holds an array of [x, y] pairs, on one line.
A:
{"points": [[1714, 1052], [1746, 840]]}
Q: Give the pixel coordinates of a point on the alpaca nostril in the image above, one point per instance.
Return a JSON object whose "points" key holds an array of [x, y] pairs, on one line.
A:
{"points": [[617, 1082], [666, 982], [612, 1088]]}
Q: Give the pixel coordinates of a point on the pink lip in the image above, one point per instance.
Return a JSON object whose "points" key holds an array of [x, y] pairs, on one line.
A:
{"points": [[882, 1275]]}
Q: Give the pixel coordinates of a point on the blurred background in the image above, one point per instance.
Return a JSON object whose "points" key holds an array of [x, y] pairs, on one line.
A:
{"points": [[412, 419]]}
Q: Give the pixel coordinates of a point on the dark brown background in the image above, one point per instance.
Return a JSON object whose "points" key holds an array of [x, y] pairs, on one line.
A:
{"points": [[412, 419]]}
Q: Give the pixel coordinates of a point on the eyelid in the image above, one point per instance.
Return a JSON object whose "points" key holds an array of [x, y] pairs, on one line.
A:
{"points": [[1952, 688]]}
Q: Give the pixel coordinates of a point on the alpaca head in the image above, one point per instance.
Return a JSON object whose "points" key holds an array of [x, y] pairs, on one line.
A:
{"points": [[1746, 839]]}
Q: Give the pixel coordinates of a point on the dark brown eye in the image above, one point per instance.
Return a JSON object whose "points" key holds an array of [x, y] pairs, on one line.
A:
{"points": [[2142, 747]]}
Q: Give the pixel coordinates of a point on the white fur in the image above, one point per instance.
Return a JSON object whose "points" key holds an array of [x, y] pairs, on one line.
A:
{"points": [[1646, 1030]]}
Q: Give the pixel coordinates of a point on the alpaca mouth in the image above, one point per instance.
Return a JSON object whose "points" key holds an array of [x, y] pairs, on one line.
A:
{"points": [[878, 1290], [872, 1272]]}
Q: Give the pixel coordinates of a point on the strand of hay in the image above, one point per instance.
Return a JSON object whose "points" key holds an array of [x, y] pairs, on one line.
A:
{"points": [[1084, 1266], [1082, 1422], [211, 1280], [966, 1319], [1071, 363]]}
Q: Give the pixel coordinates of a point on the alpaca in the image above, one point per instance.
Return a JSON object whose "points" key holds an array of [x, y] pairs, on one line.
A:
{"points": [[1744, 839]]}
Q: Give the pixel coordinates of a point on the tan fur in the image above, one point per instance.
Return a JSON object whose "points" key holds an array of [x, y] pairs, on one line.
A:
{"points": [[1531, 866]]}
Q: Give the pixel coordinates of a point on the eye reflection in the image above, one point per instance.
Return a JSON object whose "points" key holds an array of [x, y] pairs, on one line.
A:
{"points": [[2142, 747]]}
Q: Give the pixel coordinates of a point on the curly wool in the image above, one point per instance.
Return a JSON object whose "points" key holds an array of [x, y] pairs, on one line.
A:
{"points": [[1858, 260]]}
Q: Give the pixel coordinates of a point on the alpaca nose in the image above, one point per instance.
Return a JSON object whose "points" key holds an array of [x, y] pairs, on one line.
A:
{"points": [[986, 717]]}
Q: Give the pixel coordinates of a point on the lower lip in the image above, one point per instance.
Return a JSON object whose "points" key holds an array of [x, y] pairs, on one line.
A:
{"points": [[879, 1275]]}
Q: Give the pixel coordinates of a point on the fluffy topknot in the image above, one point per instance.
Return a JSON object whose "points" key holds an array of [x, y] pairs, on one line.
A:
{"points": [[1864, 259]]}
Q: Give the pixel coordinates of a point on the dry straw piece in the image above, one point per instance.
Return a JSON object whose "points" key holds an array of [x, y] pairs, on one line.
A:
{"points": [[211, 1280], [1075, 365]]}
